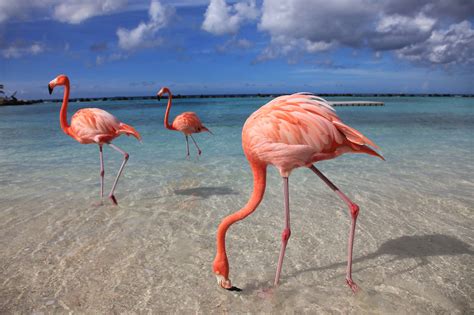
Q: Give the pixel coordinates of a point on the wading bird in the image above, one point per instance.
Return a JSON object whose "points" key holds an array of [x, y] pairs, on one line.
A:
{"points": [[288, 132], [93, 125], [187, 122]]}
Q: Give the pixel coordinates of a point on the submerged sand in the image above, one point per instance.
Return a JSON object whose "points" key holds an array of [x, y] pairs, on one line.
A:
{"points": [[60, 252], [153, 253]]}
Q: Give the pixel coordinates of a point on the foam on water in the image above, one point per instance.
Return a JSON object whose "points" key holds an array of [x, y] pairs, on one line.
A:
{"points": [[61, 252]]}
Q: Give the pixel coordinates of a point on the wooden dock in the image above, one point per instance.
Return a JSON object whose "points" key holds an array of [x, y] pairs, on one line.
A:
{"points": [[356, 103]]}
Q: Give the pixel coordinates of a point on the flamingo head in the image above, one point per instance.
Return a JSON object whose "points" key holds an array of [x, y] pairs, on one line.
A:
{"points": [[59, 80], [161, 92], [221, 269]]}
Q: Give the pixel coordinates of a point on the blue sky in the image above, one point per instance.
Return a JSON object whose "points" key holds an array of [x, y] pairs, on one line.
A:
{"points": [[111, 48]]}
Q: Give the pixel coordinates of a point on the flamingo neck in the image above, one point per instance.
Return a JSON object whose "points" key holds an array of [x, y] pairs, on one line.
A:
{"points": [[63, 112], [259, 182], [168, 108]]}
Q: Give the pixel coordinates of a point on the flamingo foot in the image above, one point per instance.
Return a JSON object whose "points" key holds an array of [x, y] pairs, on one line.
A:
{"points": [[223, 282], [352, 285], [113, 199]]}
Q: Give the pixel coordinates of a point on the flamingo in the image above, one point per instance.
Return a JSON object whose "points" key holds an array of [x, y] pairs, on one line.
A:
{"points": [[288, 132], [93, 125], [187, 122]]}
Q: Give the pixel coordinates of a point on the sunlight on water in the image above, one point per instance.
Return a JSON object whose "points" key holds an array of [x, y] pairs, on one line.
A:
{"points": [[60, 251]]}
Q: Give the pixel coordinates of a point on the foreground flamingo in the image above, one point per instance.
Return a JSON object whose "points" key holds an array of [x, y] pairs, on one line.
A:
{"points": [[187, 122], [93, 125], [288, 132]]}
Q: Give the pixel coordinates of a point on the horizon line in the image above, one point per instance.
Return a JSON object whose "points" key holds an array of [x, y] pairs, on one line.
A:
{"points": [[236, 95]]}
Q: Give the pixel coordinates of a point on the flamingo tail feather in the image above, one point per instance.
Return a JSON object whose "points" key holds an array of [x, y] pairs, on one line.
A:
{"points": [[353, 135], [129, 130], [368, 150], [205, 129]]}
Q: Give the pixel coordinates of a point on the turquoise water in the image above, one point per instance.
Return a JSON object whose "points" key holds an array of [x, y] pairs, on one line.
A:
{"points": [[61, 251]]}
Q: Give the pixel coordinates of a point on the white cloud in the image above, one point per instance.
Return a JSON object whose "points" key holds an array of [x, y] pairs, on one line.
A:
{"points": [[312, 26], [454, 45], [394, 22], [221, 18], [76, 11], [68, 11], [20, 49], [397, 31], [144, 35], [409, 28], [20, 8]]}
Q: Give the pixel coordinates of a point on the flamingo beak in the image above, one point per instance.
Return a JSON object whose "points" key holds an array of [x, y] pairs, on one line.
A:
{"points": [[50, 89]]}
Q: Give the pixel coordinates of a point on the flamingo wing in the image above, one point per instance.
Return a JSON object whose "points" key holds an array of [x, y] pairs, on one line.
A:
{"points": [[296, 119], [294, 130], [94, 125], [187, 122]]}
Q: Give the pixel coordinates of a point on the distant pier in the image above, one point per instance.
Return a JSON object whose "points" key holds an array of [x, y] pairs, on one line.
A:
{"points": [[356, 103]]}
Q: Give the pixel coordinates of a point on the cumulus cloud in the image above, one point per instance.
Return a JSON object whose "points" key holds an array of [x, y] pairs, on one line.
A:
{"points": [[20, 49], [453, 9], [454, 45], [397, 31], [405, 27], [76, 11], [68, 11], [221, 18], [20, 8], [144, 35], [317, 20]]}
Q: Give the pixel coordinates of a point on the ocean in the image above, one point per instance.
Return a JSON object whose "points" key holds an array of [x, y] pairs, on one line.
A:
{"points": [[61, 251]]}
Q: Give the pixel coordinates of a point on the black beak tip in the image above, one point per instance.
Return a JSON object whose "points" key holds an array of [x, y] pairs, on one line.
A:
{"points": [[50, 89], [234, 289]]}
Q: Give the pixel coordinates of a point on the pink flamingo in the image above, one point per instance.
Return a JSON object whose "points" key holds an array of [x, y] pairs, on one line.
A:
{"points": [[93, 125], [187, 122], [288, 132]]}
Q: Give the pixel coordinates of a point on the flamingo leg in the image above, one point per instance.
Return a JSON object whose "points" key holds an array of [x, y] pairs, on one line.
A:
{"points": [[187, 147], [125, 159], [101, 171], [199, 150], [286, 232], [354, 211]]}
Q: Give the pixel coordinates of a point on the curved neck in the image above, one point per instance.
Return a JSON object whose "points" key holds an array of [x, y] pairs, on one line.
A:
{"points": [[63, 112], [259, 183], [167, 124]]}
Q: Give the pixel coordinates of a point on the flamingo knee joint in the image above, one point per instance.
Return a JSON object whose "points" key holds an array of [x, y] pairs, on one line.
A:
{"points": [[354, 210], [285, 236]]}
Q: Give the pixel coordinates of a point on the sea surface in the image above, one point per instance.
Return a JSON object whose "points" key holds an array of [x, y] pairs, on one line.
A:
{"points": [[62, 251]]}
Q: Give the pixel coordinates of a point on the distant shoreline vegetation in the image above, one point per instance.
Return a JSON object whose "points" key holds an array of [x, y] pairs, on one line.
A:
{"points": [[9, 102]]}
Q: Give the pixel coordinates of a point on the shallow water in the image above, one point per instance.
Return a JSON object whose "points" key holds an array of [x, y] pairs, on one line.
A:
{"points": [[60, 251]]}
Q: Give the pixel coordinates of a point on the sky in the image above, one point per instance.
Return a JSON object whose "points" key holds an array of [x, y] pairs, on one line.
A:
{"points": [[132, 48]]}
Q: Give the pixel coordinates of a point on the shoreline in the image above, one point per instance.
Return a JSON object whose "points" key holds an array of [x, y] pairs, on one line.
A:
{"points": [[262, 95]]}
